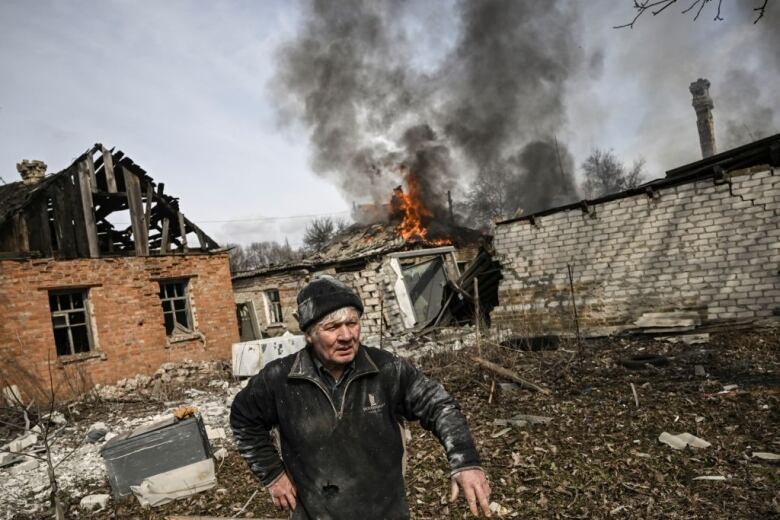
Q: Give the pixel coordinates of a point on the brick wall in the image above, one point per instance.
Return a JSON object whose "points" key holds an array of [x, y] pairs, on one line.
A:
{"points": [[373, 283], [126, 315], [706, 246], [365, 282]]}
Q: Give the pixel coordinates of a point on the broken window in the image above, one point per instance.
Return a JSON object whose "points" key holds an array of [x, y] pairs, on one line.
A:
{"points": [[69, 318], [425, 284], [247, 329], [175, 298], [274, 306]]}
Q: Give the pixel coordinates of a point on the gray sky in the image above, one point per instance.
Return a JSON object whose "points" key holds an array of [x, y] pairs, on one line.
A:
{"points": [[183, 89]]}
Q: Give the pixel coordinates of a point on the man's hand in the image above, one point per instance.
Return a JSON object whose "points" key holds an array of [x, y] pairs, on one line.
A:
{"points": [[283, 492], [476, 490]]}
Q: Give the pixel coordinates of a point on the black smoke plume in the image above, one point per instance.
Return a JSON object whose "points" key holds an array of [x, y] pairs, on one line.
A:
{"points": [[492, 103]]}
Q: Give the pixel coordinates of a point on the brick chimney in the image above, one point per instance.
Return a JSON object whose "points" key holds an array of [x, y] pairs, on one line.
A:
{"points": [[702, 104], [32, 172]]}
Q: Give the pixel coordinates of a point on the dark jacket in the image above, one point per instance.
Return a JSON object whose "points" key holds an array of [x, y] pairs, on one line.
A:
{"points": [[344, 458]]}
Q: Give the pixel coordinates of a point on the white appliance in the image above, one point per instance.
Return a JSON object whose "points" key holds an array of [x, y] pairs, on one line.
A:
{"points": [[251, 356]]}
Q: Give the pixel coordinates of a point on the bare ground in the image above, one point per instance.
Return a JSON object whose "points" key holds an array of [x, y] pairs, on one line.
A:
{"points": [[599, 457]]}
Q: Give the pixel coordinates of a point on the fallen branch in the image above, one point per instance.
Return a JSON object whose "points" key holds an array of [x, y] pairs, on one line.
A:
{"points": [[509, 374]]}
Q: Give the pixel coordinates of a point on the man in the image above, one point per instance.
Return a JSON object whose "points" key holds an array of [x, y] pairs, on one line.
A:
{"points": [[337, 406]]}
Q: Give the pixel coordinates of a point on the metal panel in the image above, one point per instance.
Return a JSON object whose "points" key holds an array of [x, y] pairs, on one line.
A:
{"points": [[154, 449]]}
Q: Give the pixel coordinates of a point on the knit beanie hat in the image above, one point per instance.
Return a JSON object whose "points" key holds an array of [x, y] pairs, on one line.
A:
{"points": [[323, 296]]}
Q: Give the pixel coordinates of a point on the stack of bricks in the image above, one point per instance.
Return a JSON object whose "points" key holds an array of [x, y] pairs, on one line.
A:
{"points": [[708, 246]]}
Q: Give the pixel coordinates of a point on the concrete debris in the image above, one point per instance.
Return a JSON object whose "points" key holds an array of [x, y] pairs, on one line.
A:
{"points": [[178, 483], [28, 465], [21, 443], [55, 418], [763, 455], [498, 510], [680, 441], [668, 321], [215, 433], [220, 454], [91, 502], [100, 425], [153, 386], [6, 459], [688, 339]]}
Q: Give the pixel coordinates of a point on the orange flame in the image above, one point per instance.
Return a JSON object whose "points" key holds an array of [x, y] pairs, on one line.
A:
{"points": [[411, 206], [415, 215]]}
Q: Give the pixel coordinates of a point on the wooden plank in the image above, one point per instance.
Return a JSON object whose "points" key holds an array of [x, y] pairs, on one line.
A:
{"points": [[38, 235], [182, 231], [44, 228], [509, 374], [162, 203], [89, 161], [108, 170], [148, 212], [63, 225], [20, 230], [201, 239], [137, 220], [87, 206], [164, 236], [74, 201]]}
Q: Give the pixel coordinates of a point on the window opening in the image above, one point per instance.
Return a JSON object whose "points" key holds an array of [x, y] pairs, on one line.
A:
{"points": [[72, 334], [174, 296], [274, 306], [247, 330]]}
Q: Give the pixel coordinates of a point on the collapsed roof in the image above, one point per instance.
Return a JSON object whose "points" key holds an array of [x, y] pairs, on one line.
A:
{"points": [[76, 212]]}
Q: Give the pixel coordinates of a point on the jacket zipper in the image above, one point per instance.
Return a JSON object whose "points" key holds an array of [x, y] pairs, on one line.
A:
{"points": [[339, 413], [324, 391]]}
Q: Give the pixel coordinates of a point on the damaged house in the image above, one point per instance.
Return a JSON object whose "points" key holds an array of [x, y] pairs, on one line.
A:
{"points": [[102, 277], [697, 248], [406, 283]]}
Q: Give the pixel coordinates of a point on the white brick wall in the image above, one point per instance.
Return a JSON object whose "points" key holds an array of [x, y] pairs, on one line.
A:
{"points": [[711, 248]]}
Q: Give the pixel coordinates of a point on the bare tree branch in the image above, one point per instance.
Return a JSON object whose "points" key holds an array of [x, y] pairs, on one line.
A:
{"points": [[761, 10], [656, 7]]}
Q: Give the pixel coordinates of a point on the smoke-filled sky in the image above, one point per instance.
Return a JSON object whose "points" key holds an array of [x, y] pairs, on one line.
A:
{"points": [[260, 114]]}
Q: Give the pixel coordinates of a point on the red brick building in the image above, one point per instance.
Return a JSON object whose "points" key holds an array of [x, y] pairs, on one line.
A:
{"points": [[87, 298]]}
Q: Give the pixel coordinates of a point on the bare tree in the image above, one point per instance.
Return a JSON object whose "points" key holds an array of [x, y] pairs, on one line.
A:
{"points": [[656, 7], [261, 254], [605, 174], [320, 231], [488, 199]]}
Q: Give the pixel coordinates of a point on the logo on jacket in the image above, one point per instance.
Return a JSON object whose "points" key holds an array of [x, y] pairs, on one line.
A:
{"points": [[373, 407]]}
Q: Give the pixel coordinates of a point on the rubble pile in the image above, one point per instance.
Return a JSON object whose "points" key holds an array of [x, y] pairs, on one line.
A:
{"points": [[169, 374], [696, 435], [81, 430]]}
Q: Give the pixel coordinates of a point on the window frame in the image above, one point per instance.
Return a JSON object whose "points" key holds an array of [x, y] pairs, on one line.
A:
{"points": [[178, 329], [273, 308], [85, 309], [252, 315]]}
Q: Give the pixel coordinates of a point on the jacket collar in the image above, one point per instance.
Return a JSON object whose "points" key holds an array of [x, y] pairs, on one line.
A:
{"points": [[303, 367]]}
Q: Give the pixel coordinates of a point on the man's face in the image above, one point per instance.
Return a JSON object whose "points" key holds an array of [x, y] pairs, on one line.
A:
{"points": [[336, 339]]}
